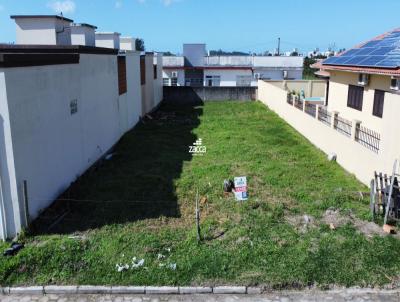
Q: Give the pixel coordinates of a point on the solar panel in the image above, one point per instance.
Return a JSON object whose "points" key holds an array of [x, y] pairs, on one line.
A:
{"points": [[331, 60], [371, 43], [384, 52], [355, 60], [371, 60], [365, 51]]}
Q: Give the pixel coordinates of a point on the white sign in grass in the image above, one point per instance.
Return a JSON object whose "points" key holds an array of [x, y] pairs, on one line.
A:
{"points": [[241, 188]]}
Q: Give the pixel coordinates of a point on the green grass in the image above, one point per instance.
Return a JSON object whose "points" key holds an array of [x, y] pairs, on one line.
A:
{"points": [[151, 184]]}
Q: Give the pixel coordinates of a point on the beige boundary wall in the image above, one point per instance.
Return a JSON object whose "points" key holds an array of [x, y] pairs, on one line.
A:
{"points": [[351, 155]]}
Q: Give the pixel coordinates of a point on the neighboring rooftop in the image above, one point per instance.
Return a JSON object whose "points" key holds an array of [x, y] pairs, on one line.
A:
{"points": [[239, 61], [84, 24], [107, 33], [41, 17], [379, 55]]}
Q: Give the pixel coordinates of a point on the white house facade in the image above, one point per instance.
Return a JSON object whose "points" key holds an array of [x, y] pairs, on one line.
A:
{"points": [[196, 68]]}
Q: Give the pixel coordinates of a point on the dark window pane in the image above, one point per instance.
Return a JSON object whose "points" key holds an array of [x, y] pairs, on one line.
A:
{"points": [[379, 99], [355, 97]]}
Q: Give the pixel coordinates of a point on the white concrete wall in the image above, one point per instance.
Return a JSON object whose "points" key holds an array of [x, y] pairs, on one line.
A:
{"points": [[158, 83], [83, 35], [173, 61], [51, 146], [35, 31], [148, 102], [10, 209], [133, 108], [127, 43], [108, 40], [46, 145], [194, 54], [63, 32], [228, 77], [351, 155], [277, 73]]}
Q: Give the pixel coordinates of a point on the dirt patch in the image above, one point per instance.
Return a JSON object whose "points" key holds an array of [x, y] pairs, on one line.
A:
{"points": [[333, 217], [302, 223]]}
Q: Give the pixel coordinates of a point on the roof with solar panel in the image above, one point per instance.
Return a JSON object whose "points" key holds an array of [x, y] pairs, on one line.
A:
{"points": [[379, 54]]}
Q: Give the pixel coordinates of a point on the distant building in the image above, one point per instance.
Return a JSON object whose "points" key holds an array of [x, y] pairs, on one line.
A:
{"points": [[197, 68]]}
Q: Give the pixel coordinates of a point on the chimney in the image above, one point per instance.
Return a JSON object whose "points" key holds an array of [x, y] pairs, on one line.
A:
{"points": [[108, 39], [42, 29], [83, 34]]}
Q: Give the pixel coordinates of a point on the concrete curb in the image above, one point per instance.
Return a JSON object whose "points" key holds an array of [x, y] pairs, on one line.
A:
{"points": [[162, 290], [170, 290], [230, 290]]}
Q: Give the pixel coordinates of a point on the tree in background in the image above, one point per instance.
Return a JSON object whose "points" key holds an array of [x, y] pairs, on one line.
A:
{"points": [[308, 72], [139, 44], [169, 54]]}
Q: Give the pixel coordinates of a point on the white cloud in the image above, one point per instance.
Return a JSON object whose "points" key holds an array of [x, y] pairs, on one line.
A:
{"points": [[118, 4], [65, 7]]}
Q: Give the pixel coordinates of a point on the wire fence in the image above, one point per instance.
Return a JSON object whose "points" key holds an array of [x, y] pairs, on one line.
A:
{"points": [[368, 138], [342, 125]]}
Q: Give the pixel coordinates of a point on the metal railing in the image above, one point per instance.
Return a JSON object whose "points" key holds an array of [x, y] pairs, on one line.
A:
{"points": [[298, 104], [368, 138], [310, 109], [289, 99], [342, 125], [324, 116]]}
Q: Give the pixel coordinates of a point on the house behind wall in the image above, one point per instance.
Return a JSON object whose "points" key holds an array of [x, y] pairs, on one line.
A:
{"points": [[196, 68], [360, 122]]}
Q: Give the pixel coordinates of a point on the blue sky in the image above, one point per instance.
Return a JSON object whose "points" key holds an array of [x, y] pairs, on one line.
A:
{"points": [[245, 25]]}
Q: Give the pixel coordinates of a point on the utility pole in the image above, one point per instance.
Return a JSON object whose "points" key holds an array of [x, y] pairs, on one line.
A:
{"points": [[279, 46]]}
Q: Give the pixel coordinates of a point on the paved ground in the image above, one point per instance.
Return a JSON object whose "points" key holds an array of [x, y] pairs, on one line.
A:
{"points": [[282, 297]]}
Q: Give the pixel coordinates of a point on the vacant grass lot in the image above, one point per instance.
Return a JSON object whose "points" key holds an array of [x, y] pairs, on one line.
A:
{"points": [[141, 204]]}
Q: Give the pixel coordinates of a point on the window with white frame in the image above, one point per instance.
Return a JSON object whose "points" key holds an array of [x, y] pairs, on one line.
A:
{"points": [[243, 80], [166, 82], [213, 80]]}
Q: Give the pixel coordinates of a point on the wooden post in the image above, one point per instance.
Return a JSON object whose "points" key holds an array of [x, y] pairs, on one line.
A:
{"points": [[198, 217], [372, 198], [26, 203]]}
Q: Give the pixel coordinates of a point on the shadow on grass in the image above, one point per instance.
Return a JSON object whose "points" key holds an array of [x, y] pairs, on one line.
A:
{"points": [[136, 183]]}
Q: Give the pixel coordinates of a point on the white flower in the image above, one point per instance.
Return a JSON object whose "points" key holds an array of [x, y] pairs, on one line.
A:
{"points": [[136, 264], [160, 256]]}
